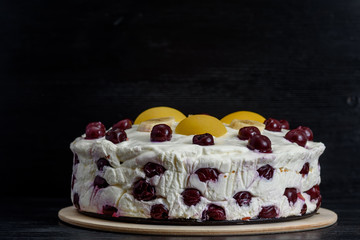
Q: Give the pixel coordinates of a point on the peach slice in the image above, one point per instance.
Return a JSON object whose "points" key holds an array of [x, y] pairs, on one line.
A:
{"points": [[200, 124], [243, 115], [159, 112]]}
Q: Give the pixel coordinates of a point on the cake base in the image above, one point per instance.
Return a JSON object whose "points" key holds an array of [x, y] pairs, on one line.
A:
{"points": [[323, 218]]}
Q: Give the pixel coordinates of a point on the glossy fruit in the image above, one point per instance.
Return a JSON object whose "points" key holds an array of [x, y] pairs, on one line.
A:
{"points": [[214, 213], [305, 169], [284, 124], [109, 210], [153, 169], [97, 125], [260, 143], [123, 124], [203, 139], [207, 174], [303, 209], [76, 159], [100, 182], [243, 198], [100, 163], [266, 171], [268, 212], [296, 136], [200, 124], [76, 200], [314, 192], [159, 112], [161, 133], [308, 132], [191, 196], [246, 133], [142, 190], [271, 124], [159, 211], [291, 194], [95, 130], [116, 135], [243, 115]]}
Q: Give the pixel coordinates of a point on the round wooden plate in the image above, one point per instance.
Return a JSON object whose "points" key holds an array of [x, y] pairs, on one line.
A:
{"points": [[323, 218]]}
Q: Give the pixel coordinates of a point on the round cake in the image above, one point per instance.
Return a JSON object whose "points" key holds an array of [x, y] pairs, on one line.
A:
{"points": [[196, 168]]}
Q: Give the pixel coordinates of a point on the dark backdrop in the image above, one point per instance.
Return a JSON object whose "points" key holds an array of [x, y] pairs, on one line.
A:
{"points": [[63, 65]]}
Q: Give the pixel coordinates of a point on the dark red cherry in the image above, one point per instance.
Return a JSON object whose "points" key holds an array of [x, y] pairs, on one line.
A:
{"points": [[318, 204], [296, 136], [308, 132], [153, 169], [100, 163], [314, 192], [214, 213], [116, 135], [123, 124], [243, 198], [284, 124], [159, 211], [266, 171], [291, 194], [260, 143], [95, 130], [303, 209], [100, 182], [191, 196], [207, 174], [76, 200], [161, 133], [143, 190], [305, 169], [268, 212], [203, 139], [109, 210], [272, 124], [76, 159], [247, 132], [97, 125]]}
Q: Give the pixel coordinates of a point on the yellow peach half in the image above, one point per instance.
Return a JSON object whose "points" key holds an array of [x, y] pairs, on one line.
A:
{"points": [[159, 112], [243, 115]]}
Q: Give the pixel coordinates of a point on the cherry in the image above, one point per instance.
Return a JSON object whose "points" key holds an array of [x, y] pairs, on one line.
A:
{"points": [[297, 136], [303, 209], [247, 132], [243, 198], [123, 124], [214, 212], [76, 159], [159, 211], [318, 204], [161, 133], [272, 124], [203, 139], [76, 200], [308, 132], [266, 171], [116, 135], [268, 212], [284, 124], [97, 125], [314, 192], [260, 143], [153, 169], [100, 182], [191, 196], [95, 130], [101, 163], [109, 210], [291, 194], [206, 174], [305, 169], [143, 190]]}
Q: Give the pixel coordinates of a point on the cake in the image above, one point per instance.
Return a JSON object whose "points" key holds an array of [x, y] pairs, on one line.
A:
{"points": [[196, 168]]}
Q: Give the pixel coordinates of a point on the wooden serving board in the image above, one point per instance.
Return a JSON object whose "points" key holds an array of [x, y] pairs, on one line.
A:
{"points": [[323, 218]]}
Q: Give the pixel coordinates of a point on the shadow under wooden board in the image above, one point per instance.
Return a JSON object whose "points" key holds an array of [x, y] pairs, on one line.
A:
{"points": [[323, 218]]}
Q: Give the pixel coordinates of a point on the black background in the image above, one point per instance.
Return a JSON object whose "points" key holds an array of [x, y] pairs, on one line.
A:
{"points": [[64, 64]]}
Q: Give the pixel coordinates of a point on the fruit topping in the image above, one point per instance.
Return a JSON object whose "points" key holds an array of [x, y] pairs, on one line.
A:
{"points": [[207, 174], [97, 125], [214, 213], [143, 190], [159, 112], [116, 135], [159, 211], [243, 198], [153, 169], [268, 212], [200, 124], [191, 196], [76, 159], [296, 136], [123, 124], [314, 192], [284, 124], [271, 124], [109, 210], [291, 194], [305, 169], [100, 163], [76, 200], [100, 182], [161, 133], [247, 132], [238, 124], [95, 130], [243, 115], [266, 171], [308, 132], [147, 126], [260, 143], [303, 209], [205, 139]]}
